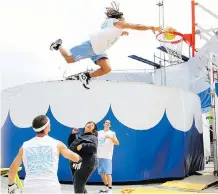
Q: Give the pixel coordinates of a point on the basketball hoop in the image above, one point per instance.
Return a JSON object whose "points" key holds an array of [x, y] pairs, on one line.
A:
{"points": [[172, 42]]}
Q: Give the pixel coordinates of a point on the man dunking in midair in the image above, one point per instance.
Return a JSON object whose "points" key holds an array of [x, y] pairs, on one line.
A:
{"points": [[113, 27]]}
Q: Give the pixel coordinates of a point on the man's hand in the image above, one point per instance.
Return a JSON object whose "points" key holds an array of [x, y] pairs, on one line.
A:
{"points": [[12, 188], [79, 147], [156, 29], [125, 33], [75, 130], [113, 139]]}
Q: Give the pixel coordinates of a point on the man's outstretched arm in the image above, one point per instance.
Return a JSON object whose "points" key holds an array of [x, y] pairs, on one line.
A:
{"points": [[68, 153], [126, 25]]}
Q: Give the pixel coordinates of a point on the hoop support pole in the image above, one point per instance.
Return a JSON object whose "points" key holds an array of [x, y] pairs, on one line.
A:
{"points": [[193, 26]]}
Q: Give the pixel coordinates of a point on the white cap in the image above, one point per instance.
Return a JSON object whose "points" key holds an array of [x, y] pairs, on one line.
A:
{"points": [[43, 127]]}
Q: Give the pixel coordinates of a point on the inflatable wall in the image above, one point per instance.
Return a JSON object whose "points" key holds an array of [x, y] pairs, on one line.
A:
{"points": [[159, 128]]}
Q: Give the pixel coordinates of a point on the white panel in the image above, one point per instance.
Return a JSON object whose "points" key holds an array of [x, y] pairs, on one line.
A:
{"points": [[145, 77], [177, 75], [175, 109], [73, 105], [5, 97], [191, 106], [136, 105], [26, 102], [197, 114]]}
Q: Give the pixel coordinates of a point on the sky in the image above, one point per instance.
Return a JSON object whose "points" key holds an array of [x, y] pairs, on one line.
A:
{"points": [[29, 27]]}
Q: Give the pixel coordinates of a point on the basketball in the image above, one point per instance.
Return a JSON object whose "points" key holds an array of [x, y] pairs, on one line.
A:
{"points": [[169, 36]]}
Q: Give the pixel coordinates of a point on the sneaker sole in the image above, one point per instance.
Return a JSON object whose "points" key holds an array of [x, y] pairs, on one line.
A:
{"points": [[72, 77], [59, 41], [76, 77], [85, 87], [51, 47]]}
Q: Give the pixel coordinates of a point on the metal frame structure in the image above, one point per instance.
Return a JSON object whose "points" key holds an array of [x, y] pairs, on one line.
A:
{"points": [[212, 66], [212, 69], [160, 5], [190, 39], [201, 30]]}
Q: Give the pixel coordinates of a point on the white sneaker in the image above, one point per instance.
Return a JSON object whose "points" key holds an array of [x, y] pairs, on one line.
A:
{"points": [[55, 45], [104, 190], [110, 191]]}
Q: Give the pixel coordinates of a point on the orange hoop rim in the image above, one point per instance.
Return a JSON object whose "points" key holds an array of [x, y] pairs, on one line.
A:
{"points": [[158, 37]]}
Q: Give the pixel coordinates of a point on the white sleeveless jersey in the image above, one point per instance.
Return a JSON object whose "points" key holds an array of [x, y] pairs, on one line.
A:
{"points": [[41, 158], [105, 145], [106, 37]]}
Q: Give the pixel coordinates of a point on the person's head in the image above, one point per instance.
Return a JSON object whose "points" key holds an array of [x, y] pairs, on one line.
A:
{"points": [[91, 127], [113, 12], [107, 124], [41, 125]]}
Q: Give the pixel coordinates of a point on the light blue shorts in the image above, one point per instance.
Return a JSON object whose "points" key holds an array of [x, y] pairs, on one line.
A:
{"points": [[85, 51], [104, 166]]}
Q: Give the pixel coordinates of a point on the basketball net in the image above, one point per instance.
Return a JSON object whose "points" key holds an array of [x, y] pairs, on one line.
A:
{"points": [[173, 43]]}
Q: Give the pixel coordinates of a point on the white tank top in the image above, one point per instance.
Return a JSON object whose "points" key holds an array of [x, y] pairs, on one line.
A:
{"points": [[41, 158], [106, 37]]}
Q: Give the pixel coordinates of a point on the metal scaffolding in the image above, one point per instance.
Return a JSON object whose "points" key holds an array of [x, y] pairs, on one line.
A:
{"points": [[212, 66]]}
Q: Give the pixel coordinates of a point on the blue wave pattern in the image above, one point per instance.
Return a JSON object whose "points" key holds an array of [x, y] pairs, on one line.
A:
{"points": [[160, 152]]}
